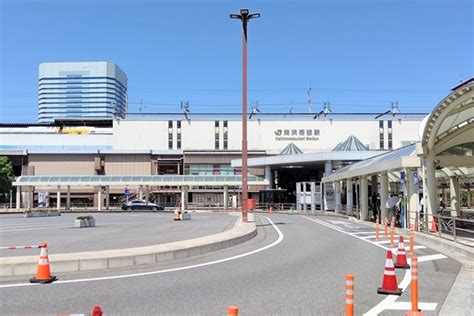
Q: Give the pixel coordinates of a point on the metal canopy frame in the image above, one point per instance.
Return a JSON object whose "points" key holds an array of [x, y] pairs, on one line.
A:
{"points": [[156, 180]]}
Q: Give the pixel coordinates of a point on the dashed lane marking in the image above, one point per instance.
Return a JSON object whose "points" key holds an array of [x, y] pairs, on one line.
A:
{"points": [[389, 302]]}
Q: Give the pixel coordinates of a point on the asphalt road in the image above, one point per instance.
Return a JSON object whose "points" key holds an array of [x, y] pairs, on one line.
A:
{"points": [[301, 272], [112, 231]]}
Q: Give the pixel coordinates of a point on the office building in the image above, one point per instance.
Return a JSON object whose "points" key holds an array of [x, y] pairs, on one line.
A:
{"points": [[93, 90]]}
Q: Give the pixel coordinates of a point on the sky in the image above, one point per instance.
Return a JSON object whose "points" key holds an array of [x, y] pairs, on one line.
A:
{"points": [[358, 55]]}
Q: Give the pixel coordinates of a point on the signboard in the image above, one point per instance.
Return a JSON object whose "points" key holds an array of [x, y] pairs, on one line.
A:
{"points": [[297, 134], [329, 197]]}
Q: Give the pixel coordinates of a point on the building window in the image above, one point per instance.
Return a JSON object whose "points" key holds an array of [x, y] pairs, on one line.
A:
{"points": [[178, 135], [390, 143], [216, 169], [381, 135], [216, 134], [225, 135], [170, 134]]}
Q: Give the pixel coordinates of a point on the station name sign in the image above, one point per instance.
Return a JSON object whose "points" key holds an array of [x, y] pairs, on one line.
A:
{"points": [[297, 134]]}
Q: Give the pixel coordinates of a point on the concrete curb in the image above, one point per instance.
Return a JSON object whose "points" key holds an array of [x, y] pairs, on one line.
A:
{"points": [[107, 259]]}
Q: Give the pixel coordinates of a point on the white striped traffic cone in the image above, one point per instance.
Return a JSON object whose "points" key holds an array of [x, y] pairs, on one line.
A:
{"points": [[43, 272], [401, 262], [389, 284]]}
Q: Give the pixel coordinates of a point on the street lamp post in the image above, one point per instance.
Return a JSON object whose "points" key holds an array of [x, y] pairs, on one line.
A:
{"points": [[244, 16]]}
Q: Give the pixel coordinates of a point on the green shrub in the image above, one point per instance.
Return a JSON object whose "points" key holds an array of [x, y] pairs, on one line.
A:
{"points": [[87, 217]]}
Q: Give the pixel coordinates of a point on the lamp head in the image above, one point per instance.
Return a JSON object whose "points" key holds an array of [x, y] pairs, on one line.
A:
{"points": [[244, 12]]}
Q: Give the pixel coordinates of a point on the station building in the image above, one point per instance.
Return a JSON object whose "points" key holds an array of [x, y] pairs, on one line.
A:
{"points": [[283, 151]]}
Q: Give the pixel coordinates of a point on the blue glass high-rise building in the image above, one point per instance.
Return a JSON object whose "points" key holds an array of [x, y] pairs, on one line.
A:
{"points": [[81, 90]]}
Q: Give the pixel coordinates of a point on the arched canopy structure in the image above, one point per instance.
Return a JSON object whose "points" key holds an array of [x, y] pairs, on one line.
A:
{"points": [[447, 145]]}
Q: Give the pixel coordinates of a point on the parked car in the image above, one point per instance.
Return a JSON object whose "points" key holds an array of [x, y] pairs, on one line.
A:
{"points": [[141, 205]]}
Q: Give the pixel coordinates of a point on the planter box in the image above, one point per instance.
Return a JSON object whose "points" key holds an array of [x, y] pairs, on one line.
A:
{"points": [[80, 223], [42, 213], [185, 216]]}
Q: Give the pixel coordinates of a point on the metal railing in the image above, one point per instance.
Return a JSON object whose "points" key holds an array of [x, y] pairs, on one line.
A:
{"points": [[458, 229]]}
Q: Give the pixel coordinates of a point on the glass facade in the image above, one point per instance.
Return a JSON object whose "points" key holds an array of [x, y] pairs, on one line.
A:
{"points": [[88, 90], [210, 169]]}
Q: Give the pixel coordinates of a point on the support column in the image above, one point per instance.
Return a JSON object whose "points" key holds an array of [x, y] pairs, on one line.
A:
{"points": [[68, 197], [184, 197], [226, 197], [100, 201], [107, 197], [412, 197], [337, 192], [29, 200], [349, 196], [58, 198], [431, 187], [454, 196], [140, 192], [298, 196], [364, 197], [18, 198], [374, 182], [383, 196], [268, 177], [147, 193]]}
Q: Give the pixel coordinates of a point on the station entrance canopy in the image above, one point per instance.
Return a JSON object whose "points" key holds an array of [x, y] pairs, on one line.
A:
{"points": [[158, 180]]}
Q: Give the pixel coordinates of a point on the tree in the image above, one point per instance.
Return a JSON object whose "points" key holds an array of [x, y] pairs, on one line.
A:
{"points": [[6, 176]]}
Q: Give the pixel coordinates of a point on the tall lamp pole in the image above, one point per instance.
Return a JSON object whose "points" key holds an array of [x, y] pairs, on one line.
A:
{"points": [[244, 16]]}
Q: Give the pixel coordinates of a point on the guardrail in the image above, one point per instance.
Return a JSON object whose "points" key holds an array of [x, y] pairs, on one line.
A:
{"points": [[458, 229]]}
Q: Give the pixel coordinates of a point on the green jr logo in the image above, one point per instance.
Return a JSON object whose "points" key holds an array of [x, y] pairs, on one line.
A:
{"points": [[278, 132]]}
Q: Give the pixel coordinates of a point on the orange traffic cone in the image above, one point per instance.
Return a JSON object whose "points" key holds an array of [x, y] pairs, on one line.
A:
{"points": [[401, 262], [389, 283], [43, 272], [434, 226]]}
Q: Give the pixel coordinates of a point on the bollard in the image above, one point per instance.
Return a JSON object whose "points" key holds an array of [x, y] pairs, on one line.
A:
{"points": [[377, 228], [232, 310], [414, 289], [412, 242], [392, 233], [349, 295], [385, 228], [270, 210]]}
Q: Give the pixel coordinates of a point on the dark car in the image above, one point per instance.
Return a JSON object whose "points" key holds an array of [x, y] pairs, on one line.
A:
{"points": [[141, 205]]}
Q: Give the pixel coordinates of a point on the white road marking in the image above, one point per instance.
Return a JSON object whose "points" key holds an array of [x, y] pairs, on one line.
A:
{"points": [[408, 248], [280, 238], [382, 242], [357, 233], [406, 306], [390, 300], [431, 257]]}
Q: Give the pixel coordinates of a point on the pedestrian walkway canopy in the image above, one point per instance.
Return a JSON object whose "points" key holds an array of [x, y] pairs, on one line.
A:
{"points": [[402, 158], [161, 180]]}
